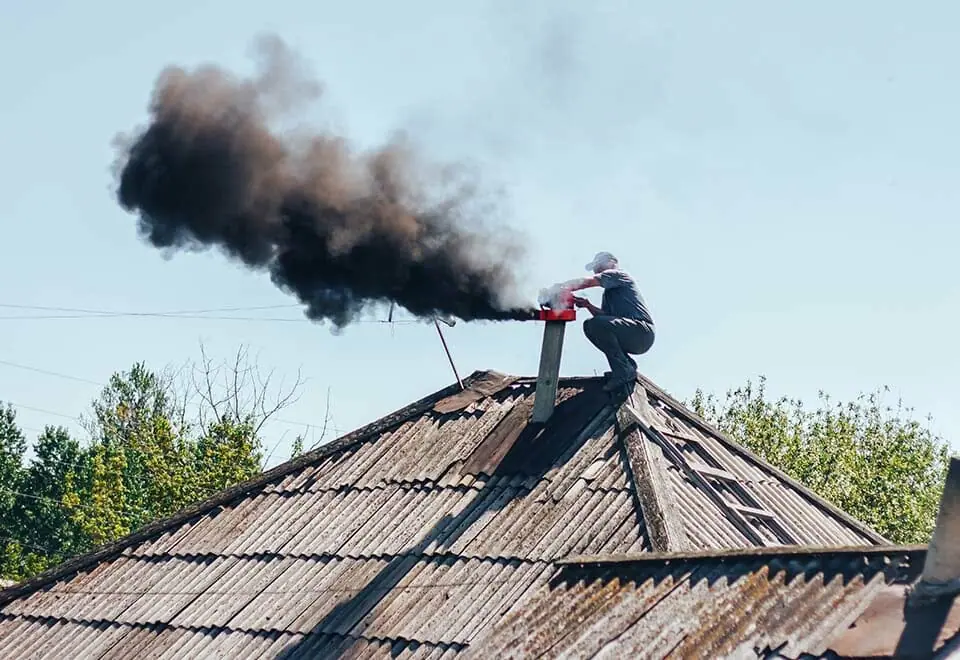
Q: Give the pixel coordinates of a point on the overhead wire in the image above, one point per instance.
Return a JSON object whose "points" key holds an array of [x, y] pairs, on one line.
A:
{"points": [[158, 315], [81, 310], [66, 312], [41, 498], [194, 314], [79, 464], [45, 411], [26, 544], [77, 418], [80, 313], [14, 404], [17, 365], [57, 374]]}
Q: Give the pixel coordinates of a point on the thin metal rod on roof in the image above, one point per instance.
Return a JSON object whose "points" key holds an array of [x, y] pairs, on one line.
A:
{"points": [[446, 350], [390, 320]]}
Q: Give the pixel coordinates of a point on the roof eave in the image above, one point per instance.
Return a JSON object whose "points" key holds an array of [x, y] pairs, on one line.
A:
{"points": [[739, 553]]}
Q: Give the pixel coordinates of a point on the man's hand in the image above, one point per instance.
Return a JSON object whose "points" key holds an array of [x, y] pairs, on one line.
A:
{"points": [[583, 302]]}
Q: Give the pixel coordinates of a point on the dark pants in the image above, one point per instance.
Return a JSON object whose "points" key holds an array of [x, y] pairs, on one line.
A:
{"points": [[617, 338]]}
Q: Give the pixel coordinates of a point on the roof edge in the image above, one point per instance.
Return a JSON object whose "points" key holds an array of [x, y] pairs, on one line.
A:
{"points": [[237, 491], [694, 419], [739, 553]]}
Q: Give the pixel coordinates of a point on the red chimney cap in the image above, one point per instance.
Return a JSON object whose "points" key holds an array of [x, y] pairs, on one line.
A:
{"points": [[558, 315]]}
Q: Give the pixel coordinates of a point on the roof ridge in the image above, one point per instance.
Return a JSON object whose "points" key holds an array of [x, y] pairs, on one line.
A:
{"points": [[692, 418]]}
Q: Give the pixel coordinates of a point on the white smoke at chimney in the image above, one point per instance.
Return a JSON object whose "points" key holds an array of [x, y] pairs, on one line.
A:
{"points": [[558, 296]]}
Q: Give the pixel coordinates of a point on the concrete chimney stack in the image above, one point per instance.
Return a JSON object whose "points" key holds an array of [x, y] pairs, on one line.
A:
{"points": [[551, 351], [941, 570]]}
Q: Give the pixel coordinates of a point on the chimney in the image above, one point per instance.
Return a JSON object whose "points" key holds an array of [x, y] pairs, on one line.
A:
{"points": [[941, 570], [550, 352]]}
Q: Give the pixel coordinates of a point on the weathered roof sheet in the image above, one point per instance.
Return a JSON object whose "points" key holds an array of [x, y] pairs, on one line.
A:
{"points": [[787, 603], [414, 534]]}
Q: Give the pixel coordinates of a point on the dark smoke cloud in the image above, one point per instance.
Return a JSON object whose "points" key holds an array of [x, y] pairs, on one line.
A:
{"points": [[342, 231]]}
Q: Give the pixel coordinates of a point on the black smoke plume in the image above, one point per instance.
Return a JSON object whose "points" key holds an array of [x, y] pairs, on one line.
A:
{"points": [[342, 231]]}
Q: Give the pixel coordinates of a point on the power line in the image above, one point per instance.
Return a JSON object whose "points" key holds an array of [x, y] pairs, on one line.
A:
{"points": [[26, 544], [79, 310], [17, 365], [326, 427], [77, 418], [82, 463], [160, 315], [57, 374], [43, 411], [48, 500], [195, 314], [78, 464]]}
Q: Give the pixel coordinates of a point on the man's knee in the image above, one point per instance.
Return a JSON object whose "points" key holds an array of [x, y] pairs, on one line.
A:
{"points": [[590, 327], [595, 327]]}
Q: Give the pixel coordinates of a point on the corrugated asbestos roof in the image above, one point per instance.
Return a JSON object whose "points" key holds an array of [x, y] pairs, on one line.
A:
{"points": [[768, 604], [412, 536]]}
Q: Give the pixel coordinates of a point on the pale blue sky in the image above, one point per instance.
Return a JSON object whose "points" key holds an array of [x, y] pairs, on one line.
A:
{"points": [[779, 179]]}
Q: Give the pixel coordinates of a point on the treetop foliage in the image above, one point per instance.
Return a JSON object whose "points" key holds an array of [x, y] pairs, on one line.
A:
{"points": [[158, 442], [870, 458]]}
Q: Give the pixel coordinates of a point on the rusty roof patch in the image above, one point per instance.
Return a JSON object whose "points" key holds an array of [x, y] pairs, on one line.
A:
{"points": [[483, 385], [796, 604]]}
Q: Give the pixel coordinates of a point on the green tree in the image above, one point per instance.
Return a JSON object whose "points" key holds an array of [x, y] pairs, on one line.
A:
{"points": [[100, 505], [869, 458], [156, 444], [228, 453], [13, 445], [296, 449], [140, 455], [43, 510]]}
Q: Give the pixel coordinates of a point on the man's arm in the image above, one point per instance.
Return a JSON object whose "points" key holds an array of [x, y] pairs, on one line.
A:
{"points": [[607, 279], [578, 285], [570, 286], [581, 283]]}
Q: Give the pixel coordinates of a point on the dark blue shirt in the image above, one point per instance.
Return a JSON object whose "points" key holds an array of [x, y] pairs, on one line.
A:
{"points": [[621, 297]]}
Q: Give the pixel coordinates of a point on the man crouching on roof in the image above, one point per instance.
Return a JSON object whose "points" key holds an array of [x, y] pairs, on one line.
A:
{"points": [[622, 325]]}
